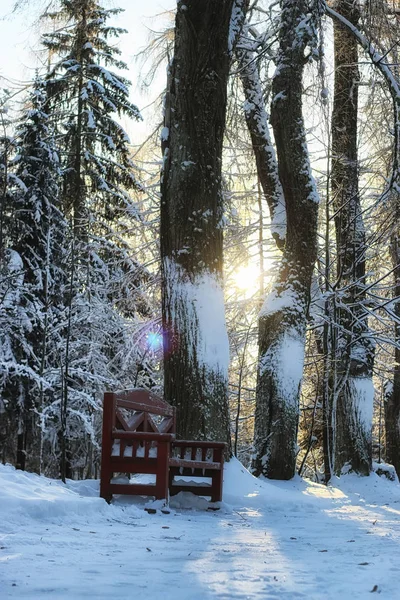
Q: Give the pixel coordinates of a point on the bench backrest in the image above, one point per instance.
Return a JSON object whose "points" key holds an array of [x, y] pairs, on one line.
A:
{"points": [[138, 410]]}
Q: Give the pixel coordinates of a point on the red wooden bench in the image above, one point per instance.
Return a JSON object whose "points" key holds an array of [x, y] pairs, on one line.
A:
{"points": [[139, 437]]}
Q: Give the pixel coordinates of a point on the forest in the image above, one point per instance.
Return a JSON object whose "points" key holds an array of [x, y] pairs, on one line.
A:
{"points": [[242, 259]]}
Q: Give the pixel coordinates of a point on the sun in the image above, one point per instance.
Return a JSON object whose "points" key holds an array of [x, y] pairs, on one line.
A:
{"points": [[247, 279]]}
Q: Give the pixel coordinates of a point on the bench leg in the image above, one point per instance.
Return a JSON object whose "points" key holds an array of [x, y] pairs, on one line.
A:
{"points": [[161, 491], [105, 479], [216, 486], [105, 493], [107, 497], [106, 446], [170, 482]]}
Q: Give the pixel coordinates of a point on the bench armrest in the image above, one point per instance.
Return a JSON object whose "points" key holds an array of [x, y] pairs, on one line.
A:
{"points": [[194, 444]]}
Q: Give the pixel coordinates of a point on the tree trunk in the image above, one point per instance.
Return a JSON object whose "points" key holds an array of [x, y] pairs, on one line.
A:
{"points": [[282, 322], [353, 402], [196, 350], [264, 153], [392, 404]]}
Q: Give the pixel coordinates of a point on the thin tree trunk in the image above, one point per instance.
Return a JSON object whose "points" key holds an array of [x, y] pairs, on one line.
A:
{"points": [[21, 434], [45, 333], [76, 186], [264, 153], [328, 332], [392, 404], [65, 462], [354, 351], [282, 322], [196, 350]]}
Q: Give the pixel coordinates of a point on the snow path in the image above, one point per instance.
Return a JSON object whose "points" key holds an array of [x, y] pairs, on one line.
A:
{"points": [[269, 540]]}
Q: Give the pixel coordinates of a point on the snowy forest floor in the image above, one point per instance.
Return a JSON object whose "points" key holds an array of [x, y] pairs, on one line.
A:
{"points": [[269, 540]]}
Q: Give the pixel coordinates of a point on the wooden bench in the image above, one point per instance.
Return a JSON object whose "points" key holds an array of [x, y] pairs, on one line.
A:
{"points": [[139, 437]]}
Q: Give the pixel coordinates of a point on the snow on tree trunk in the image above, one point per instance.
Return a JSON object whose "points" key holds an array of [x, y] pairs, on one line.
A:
{"points": [[196, 351], [355, 349], [282, 322]]}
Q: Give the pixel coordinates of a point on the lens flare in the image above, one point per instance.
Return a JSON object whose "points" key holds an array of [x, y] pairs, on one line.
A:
{"points": [[154, 341]]}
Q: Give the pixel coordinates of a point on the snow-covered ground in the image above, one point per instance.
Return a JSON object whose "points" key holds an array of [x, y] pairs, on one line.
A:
{"points": [[269, 540]]}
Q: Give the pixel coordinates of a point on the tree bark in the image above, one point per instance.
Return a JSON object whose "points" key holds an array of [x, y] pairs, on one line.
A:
{"points": [[392, 404], [282, 323], [264, 153], [352, 405], [196, 350]]}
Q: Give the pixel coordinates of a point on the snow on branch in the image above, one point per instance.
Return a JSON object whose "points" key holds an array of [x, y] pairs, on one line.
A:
{"points": [[237, 20], [257, 123]]}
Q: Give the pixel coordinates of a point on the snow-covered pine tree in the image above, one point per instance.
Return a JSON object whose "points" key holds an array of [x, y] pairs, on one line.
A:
{"points": [[85, 99], [12, 318], [36, 235]]}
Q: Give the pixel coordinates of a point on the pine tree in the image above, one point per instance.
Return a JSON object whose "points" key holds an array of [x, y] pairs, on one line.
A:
{"points": [[85, 98], [35, 236], [12, 319]]}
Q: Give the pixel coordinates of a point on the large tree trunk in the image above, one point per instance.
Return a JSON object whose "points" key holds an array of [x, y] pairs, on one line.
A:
{"points": [[196, 350], [352, 404], [282, 323]]}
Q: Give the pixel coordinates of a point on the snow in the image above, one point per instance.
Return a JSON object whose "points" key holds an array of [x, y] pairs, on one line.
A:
{"points": [[385, 469], [236, 22], [164, 134], [18, 182], [203, 299], [15, 266], [128, 451], [278, 300], [91, 123], [285, 360], [186, 164], [270, 539], [363, 395], [207, 297]]}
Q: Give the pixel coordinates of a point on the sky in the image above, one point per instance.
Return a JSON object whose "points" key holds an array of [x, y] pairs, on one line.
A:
{"points": [[20, 35]]}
